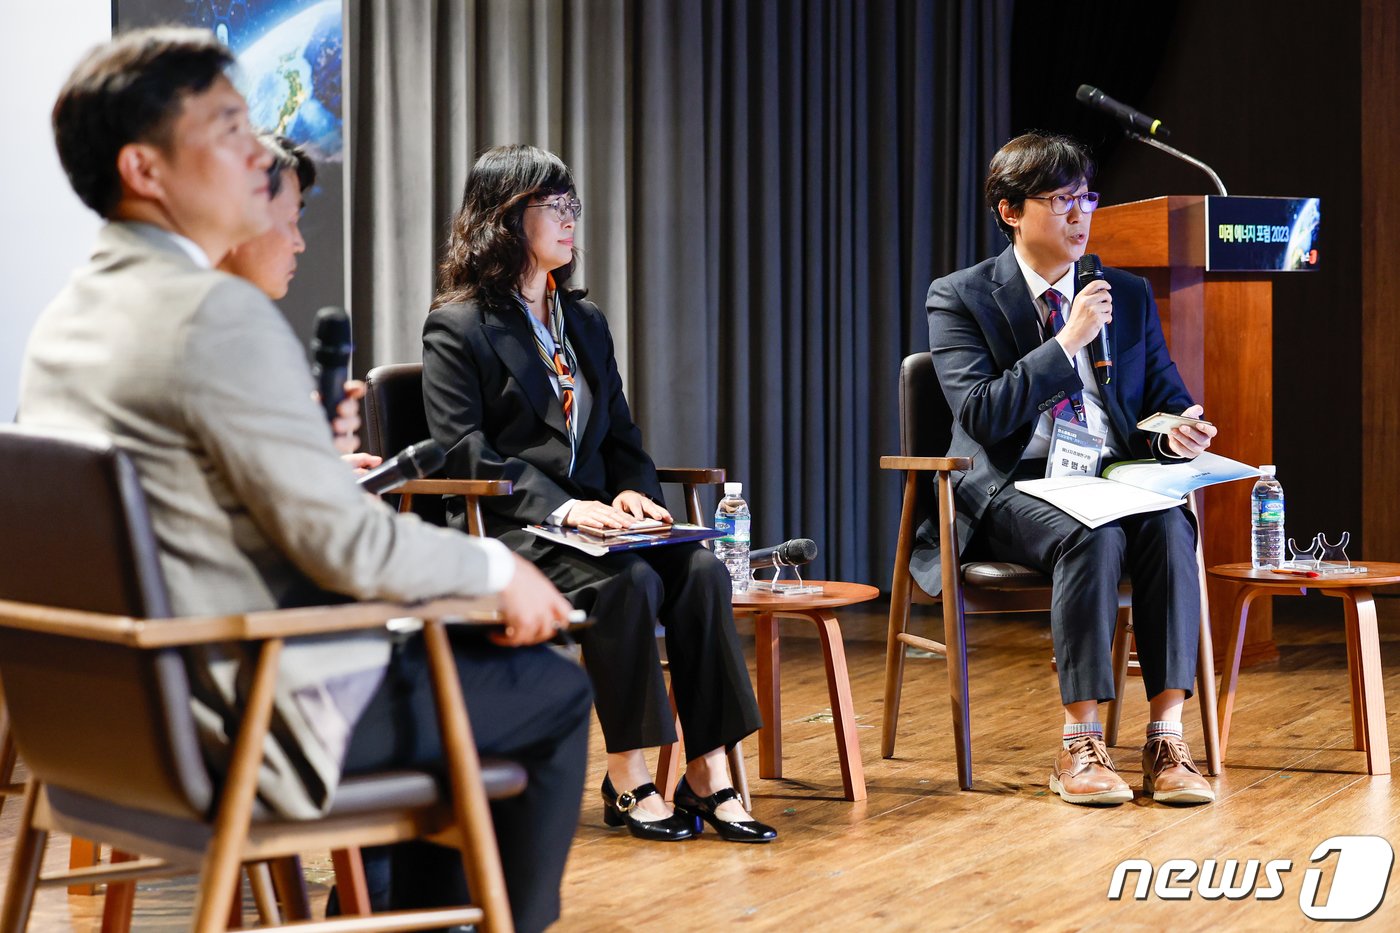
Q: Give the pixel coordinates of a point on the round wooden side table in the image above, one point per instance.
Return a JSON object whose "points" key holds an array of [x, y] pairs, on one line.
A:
{"points": [[1363, 645], [765, 608]]}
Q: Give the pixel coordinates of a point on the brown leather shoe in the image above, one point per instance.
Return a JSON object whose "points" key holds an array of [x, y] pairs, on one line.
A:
{"points": [[1085, 774], [1169, 774]]}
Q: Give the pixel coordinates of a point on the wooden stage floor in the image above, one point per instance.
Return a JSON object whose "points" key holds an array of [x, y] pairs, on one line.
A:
{"points": [[921, 855]]}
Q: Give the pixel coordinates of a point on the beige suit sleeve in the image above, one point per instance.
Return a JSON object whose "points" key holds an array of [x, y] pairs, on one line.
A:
{"points": [[248, 398]]}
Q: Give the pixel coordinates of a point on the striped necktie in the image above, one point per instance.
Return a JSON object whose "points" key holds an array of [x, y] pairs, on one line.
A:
{"points": [[1069, 409]]}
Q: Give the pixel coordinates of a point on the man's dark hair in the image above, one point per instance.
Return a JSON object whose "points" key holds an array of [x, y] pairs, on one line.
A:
{"points": [[286, 155], [306, 168], [1032, 163], [487, 250], [129, 90]]}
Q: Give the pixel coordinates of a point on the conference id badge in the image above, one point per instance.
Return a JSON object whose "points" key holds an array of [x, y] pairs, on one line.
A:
{"points": [[1074, 451]]}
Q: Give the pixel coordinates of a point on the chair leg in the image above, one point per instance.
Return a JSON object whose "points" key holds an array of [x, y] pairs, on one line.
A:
{"points": [[120, 899], [235, 904], [290, 886], [1205, 661], [219, 872], [264, 893], [670, 762], [25, 862], [899, 617], [894, 666], [83, 854], [739, 774], [1122, 644], [350, 885], [480, 856], [7, 752], [1205, 691], [955, 637]]}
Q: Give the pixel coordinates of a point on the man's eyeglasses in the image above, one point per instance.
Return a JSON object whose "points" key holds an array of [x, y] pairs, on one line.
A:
{"points": [[1061, 203], [565, 207]]}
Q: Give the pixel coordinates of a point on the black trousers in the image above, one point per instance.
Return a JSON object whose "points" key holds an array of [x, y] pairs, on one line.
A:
{"points": [[687, 589], [527, 704], [1158, 552]]}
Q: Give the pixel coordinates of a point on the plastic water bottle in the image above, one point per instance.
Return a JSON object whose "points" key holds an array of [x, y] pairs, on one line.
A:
{"points": [[1266, 517], [732, 518]]}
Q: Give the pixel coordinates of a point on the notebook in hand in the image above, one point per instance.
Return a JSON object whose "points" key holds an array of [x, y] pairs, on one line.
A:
{"points": [[1134, 486], [628, 540]]}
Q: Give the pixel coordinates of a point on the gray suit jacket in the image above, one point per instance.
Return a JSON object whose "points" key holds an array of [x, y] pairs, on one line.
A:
{"points": [[197, 376]]}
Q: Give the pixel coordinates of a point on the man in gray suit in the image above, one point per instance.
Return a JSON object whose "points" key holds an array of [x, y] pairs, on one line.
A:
{"points": [[197, 376]]}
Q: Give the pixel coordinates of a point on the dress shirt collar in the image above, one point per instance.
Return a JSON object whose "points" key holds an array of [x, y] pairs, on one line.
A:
{"points": [[191, 248], [1038, 285]]}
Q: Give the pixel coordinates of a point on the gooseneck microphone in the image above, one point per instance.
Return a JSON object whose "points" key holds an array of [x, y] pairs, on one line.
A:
{"points": [[792, 553], [330, 354], [1089, 269], [1133, 120], [420, 460]]}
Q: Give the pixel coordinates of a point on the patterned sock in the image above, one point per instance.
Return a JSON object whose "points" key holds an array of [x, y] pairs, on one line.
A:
{"points": [[1077, 730], [1160, 729]]}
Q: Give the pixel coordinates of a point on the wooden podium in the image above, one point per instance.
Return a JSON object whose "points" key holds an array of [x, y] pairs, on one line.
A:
{"points": [[1219, 327]]}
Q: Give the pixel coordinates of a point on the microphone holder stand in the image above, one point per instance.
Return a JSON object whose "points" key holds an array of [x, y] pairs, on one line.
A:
{"points": [[777, 587], [1173, 151]]}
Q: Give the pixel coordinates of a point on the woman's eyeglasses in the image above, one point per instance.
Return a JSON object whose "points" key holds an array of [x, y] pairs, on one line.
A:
{"points": [[565, 207]]}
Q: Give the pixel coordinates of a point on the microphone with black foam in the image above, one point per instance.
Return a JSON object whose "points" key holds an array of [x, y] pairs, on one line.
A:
{"points": [[330, 354], [792, 553], [422, 459], [1134, 121], [1089, 269]]}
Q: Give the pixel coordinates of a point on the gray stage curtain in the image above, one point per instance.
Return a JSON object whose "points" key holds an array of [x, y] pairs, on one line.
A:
{"points": [[769, 188]]}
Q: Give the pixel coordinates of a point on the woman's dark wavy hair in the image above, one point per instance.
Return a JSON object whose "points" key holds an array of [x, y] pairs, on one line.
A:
{"points": [[487, 250]]}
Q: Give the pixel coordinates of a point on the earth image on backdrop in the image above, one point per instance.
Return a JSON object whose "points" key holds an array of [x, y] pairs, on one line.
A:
{"points": [[290, 75], [290, 65]]}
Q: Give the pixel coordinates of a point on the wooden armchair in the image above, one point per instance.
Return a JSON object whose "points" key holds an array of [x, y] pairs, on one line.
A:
{"points": [[99, 704], [981, 586]]}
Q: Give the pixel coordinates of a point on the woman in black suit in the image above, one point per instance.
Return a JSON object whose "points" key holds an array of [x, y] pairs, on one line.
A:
{"points": [[520, 383]]}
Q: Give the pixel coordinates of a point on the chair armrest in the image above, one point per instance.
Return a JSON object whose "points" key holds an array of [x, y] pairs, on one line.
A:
{"points": [[690, 474], [457, 487], [252, 626], [939, 464]]}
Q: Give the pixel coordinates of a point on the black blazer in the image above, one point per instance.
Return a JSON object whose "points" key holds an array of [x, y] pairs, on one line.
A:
{"points": [[489, 403], [999, 377]]}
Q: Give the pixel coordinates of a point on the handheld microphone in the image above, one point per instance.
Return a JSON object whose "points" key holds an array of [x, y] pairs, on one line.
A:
{"points": [[416, 462], [330, 351], [792, 553], [1133, 120], [1089, 269]]}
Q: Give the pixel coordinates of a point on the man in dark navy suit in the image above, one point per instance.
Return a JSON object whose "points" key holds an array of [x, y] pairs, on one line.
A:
{"points": [[1010, 341]]}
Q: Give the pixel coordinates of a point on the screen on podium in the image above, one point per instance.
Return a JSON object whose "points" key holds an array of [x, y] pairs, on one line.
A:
{"points": [[1245, 234]]}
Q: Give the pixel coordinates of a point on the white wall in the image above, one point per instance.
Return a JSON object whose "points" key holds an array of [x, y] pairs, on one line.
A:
{"points": [[46, 230]]}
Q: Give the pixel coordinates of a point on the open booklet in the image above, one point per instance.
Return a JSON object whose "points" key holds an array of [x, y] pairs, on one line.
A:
{"points": [[652, 535], [1133, 486]]}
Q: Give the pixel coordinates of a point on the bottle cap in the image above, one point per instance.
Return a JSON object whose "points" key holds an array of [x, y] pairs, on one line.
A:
{"points": [[733, 489], [1268, 469]]}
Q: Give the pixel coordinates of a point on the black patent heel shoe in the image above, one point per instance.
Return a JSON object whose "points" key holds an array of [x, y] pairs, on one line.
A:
{"points": [[702, 810], [617, 811]]}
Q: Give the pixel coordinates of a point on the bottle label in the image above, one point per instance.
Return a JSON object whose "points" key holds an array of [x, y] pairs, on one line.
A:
{"points": [[1269, 511], [736, 530]]}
